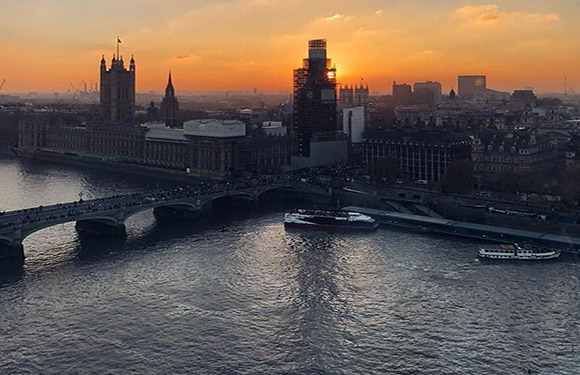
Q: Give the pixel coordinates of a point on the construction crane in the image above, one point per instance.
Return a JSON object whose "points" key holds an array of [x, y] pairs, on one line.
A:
{"points": [[2, 84]]}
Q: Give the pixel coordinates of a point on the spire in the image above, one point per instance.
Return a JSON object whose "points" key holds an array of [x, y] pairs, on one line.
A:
{"points": [[103, 63], [169, 90]]}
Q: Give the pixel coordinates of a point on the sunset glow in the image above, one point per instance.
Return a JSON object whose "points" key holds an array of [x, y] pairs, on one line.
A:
{"points": [[53, 45]]}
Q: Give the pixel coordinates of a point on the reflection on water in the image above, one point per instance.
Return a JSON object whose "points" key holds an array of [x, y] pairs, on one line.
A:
{"points": [[238, 294]]}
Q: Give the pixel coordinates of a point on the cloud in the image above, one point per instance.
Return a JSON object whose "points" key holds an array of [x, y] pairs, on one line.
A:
{"points": [[491, 14], [379, 12], [335, 17], [185, 59], [471, 10]]}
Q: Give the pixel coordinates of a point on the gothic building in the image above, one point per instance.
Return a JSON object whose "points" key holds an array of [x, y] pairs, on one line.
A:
{"points": [[117, 91], [170, 106], [354, 96], [216, 149], [314, 97]]}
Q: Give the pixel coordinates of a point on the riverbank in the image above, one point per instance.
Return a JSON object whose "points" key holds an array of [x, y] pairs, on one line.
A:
{"points": [[460, 208], [111, 166], [465, 229]]}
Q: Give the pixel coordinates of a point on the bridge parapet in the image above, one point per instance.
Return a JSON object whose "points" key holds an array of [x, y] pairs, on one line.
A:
{"points": [[108, 215]]}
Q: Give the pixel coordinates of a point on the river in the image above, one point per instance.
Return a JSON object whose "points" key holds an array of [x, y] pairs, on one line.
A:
{"points": [[236, 293]]}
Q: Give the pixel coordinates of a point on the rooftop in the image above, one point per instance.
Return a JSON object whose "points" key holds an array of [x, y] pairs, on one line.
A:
{"points": [[215, 128], [433, 137], [165, 134]]}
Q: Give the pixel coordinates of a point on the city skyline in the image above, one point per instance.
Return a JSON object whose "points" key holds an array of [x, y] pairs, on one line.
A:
{"points": [[238, 45]]}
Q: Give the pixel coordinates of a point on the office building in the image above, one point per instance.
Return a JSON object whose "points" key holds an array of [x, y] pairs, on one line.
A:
{"points": [[402, 92], [471, 86], [354, 123], [421, 155], [431, 90], [416, 114]]}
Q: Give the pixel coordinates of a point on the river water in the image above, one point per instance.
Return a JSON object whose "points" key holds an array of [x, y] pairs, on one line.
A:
{"points": [[236, 293]]}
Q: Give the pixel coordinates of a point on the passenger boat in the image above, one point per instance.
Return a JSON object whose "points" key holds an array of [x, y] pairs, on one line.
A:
{"points": [[330, 220], [517, 252]]}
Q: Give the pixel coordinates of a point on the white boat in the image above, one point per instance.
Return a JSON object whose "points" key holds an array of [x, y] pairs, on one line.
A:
{"points": [[330, 220], [517, 252]]}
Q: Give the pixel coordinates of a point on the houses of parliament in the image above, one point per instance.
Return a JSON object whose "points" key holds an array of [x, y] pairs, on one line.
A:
{"points": [[202, 148]]}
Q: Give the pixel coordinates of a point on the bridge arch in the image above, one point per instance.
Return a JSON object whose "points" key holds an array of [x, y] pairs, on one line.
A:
{"points": [[187, 205], [243, 196], [270, 189], [106, 220]]}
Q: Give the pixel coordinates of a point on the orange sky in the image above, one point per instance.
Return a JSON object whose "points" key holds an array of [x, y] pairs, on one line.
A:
{"points": [[240, 44]]}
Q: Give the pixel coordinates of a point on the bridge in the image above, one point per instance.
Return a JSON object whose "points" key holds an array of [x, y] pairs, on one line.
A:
{"points": [[108, 215]]}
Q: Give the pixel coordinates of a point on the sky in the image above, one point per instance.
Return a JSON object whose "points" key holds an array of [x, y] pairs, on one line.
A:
{"points": [[53, 45]]}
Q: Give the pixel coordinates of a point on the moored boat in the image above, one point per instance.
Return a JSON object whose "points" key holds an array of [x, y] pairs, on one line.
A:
{"points": [[517, 252], [330, 220]]}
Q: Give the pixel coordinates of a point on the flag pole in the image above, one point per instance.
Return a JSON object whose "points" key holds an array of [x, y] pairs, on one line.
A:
{"points": [[118, 57]]}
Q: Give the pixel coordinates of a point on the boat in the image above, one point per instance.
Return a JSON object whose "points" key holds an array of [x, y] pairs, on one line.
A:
{"points": [[330, 220], [517, 252]]}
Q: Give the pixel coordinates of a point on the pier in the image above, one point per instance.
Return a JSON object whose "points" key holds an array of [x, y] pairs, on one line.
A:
{"points": [[469, 230]]}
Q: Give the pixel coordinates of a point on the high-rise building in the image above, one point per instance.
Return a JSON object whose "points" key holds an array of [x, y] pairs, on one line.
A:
{"points": [[471, 86], [170, 106], [402, 92], [429, 89], [118, 91], [354, 123], [314, 97]]}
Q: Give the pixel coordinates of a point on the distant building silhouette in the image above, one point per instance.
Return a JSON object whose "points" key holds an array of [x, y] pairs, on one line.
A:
{"points": [[314, 97], [354, 96], [152, 113], [117, 91], [361, 95], [346, 95], [170, 106], [471, 86], [402, 92], [430, 89]]}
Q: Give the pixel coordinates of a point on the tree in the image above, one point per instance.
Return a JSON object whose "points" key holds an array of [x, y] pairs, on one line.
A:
{"points": [[570, 185], [458, 178]]}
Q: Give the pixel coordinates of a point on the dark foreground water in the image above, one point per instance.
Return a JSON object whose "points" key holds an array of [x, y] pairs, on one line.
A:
{"points": [[238, 294]]}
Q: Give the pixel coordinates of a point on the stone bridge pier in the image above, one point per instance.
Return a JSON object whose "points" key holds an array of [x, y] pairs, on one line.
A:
{"points": [[12, 253]]}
